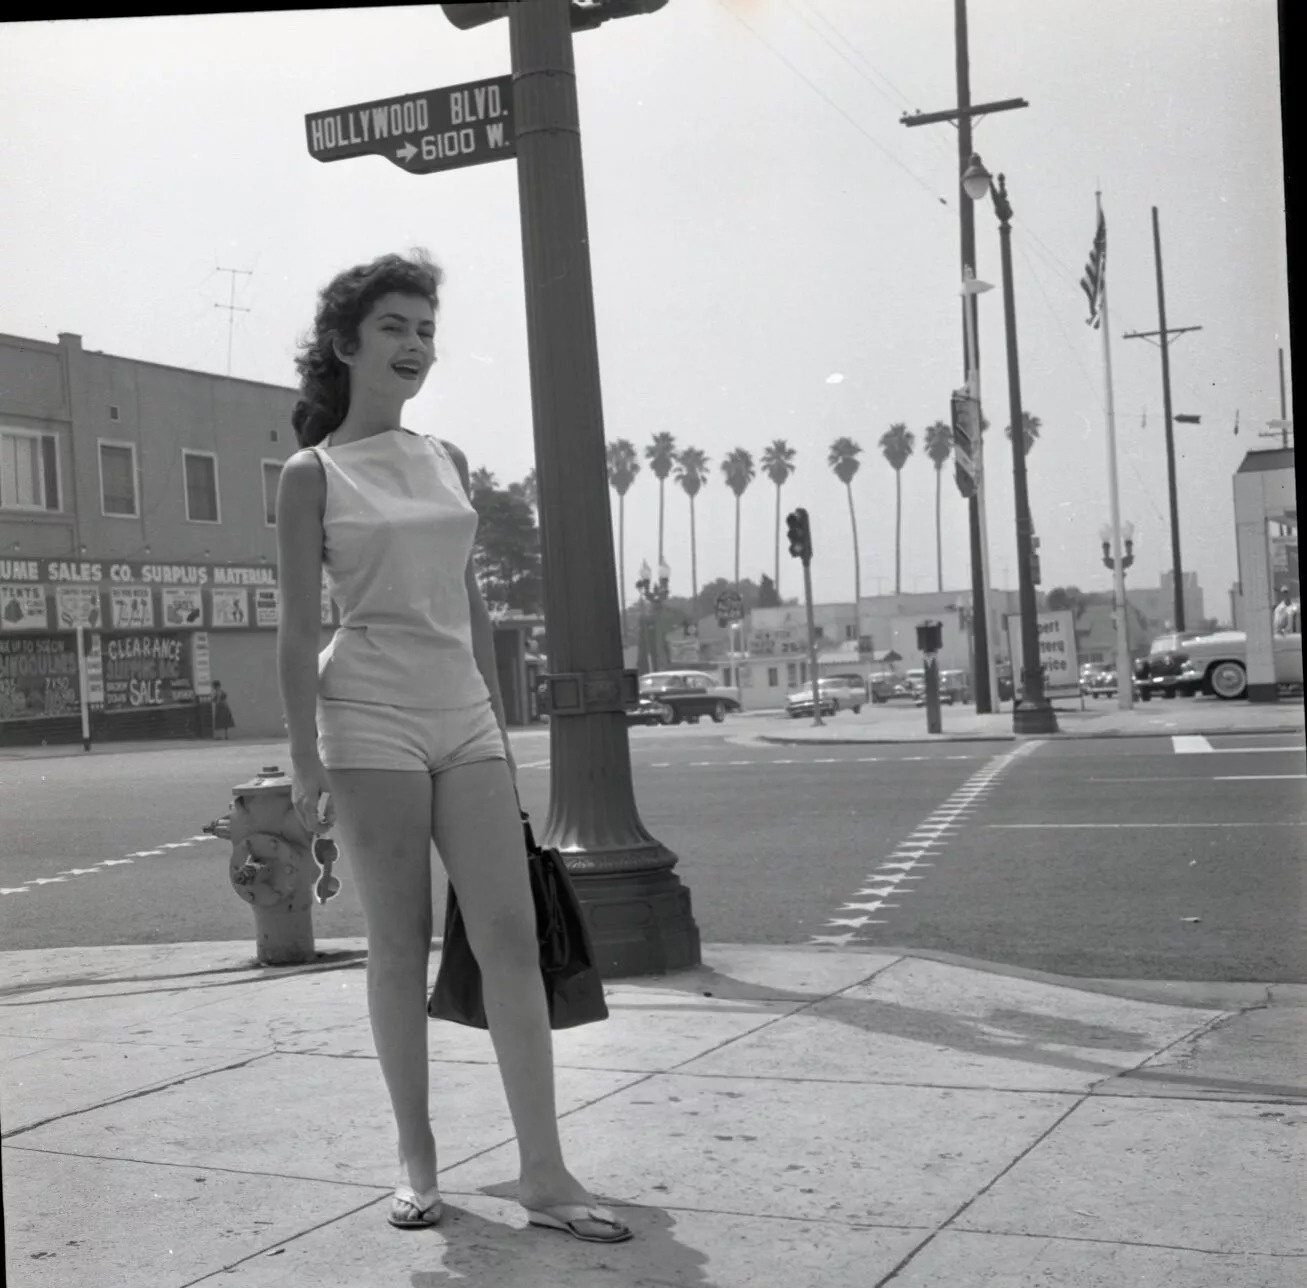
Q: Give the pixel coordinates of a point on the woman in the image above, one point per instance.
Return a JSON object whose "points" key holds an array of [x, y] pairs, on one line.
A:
{"points": [[397, 730]]}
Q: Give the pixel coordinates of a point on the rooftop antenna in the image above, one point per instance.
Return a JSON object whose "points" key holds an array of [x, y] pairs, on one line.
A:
{"points": [[232, 307]]}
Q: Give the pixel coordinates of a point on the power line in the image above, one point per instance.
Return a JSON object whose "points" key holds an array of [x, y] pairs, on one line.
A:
{"points": [[821, 93]]}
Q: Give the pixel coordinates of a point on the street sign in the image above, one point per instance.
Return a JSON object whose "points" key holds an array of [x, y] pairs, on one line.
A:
{"points": [[963, 410], [730, 606], [439, 129], [1057, 652]]}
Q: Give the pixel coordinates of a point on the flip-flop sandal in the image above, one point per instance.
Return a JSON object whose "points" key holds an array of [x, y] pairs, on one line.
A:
{"points": [[428, 1207], [590, 1224]]}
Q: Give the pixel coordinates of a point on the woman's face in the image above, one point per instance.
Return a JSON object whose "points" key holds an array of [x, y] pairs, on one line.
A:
{"points": [[396, 348]]}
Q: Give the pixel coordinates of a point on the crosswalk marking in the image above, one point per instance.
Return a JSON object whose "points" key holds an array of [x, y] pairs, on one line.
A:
{"points": [[1190, 744]]}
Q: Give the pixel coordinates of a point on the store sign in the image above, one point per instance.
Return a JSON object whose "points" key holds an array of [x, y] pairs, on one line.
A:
{"points": [[146, 671], [266, 607], [1057, 652], [182, 607], [38, 678], [131, 608], [230, 608], [77, 606], [200, 664]]}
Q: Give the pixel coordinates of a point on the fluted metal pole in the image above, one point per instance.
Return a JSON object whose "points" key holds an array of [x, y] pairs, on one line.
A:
{"points": [[638, 910]]}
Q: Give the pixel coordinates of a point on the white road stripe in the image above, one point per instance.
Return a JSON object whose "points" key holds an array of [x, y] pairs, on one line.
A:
{"points": [[907, 856], [1042, 827], [1256, 778]]}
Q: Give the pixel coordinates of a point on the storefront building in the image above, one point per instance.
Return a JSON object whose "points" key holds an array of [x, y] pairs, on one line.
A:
{"points": [[137, 502]]}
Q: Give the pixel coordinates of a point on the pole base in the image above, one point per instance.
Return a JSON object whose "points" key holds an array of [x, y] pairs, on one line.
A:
{"points": [[1034, 719], [640, 922]]}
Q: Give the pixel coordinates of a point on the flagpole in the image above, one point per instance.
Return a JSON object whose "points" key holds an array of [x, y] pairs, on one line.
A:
{"points": [[1124, 666]]}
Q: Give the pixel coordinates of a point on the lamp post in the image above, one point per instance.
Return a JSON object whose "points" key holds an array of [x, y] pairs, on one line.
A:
{"points": [[1034, 714], [1110, 563], [653, 593]]}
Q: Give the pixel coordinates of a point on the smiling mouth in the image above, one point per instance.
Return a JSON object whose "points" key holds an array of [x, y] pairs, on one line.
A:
{"points": [[410, 370]]}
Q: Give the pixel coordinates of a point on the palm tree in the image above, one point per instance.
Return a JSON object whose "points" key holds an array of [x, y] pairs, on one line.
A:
{"points": [[843, 459], [738, 469], [661, 454], [939, 447], [778, 464], [1031, 424], [692, 474], [897, 443], [623, 466]]}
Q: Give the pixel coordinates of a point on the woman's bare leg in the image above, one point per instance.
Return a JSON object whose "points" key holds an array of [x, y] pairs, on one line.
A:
{"points": [[478, 832], [383, 818]]}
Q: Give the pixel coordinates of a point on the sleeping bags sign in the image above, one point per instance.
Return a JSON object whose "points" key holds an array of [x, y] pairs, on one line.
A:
{"points": [[146, 671]]}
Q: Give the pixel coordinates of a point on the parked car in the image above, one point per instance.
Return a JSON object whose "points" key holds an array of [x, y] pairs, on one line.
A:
{"points": [[690, 695], [848, 689], [886, 685], [1101, 683], [1218, 663], [799, 703], [1159, 672], [650, 711]]}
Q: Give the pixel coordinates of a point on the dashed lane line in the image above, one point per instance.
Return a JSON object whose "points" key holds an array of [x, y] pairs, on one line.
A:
{"points": [[887, 880], [62, 878]]}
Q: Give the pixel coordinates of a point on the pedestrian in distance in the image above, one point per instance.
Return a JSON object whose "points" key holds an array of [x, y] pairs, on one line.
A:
{"points": [[1285, 618], [396, 728], [222, 721]]}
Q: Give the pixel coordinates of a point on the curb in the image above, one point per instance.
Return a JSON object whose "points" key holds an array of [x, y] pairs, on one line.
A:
{"points": [[1061, 735]]}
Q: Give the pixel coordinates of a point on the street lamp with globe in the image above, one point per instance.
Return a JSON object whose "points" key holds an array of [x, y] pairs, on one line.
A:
{"points": [[1034, 713], [1128, 558], [653, 593]]}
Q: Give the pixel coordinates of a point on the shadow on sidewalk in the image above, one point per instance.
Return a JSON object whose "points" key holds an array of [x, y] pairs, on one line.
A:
{"points": [[480, 1253]]}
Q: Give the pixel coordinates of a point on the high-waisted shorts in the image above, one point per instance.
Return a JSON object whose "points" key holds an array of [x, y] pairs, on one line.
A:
{"points": [[371, 735]]}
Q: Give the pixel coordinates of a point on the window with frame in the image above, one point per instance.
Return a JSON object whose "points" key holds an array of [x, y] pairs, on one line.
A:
{"points": [[118, 480], [271, 478], [773, 678], [791, 674], [201, 469], [29, 470]]}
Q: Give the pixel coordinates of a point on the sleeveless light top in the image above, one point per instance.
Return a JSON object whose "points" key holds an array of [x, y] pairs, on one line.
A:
{"points": [[397, 532]]}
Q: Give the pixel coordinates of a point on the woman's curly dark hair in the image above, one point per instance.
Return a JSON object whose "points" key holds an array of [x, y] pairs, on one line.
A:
{"points": [[342, 305]]}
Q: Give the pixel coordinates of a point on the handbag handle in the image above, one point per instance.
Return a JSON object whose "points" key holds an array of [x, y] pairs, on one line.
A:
{"points": [[531, 846]]}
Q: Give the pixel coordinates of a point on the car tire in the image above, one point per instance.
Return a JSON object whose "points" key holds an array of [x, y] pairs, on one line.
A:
{"points": [[667, 716], [718, 712], [1228, 680], [857, 710]]}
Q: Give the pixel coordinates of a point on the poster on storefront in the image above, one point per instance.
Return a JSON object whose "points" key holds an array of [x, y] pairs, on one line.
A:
{"points": [[146, 671], [200, 664], [131, 608], [266, 606], [182, 606], [1057, 652], [38, 678], [94, 672], [229, 608], [77, 606], [22, 608]]}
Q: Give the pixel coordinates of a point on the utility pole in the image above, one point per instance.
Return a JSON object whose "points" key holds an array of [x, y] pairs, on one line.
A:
{"points": [[1284, 425], [1177, 572], [232, 307], [986, 693]]}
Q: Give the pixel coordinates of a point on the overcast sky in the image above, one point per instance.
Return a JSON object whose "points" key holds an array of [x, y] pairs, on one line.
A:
{"points": [[760, 223]]}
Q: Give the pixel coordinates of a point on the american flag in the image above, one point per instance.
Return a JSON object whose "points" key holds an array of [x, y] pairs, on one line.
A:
{"points": [[1096, 272]]}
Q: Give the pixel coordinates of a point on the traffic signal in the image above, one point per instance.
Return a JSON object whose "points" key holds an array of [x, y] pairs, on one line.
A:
{"points": [[800, 535]]}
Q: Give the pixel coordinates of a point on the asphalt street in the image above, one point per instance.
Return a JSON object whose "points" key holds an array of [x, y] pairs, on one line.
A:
{"points": [[1155, 858]]}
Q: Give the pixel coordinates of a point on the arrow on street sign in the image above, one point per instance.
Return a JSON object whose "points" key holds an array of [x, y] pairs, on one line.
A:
{"points": [[439, 129]]}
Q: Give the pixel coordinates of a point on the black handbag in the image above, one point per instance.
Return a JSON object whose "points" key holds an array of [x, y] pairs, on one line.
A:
{"points": [[573, 988]]}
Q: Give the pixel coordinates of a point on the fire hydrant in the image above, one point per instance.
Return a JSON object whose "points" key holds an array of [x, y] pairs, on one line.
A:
{"points": [[277, 867]]}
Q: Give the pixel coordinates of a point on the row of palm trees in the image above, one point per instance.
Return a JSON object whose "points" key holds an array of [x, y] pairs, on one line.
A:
{"points": [[688, 466]]}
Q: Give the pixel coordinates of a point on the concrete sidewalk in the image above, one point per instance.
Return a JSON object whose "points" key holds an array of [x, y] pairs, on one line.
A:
{"points": [[1159, 718], [173, 1115]]}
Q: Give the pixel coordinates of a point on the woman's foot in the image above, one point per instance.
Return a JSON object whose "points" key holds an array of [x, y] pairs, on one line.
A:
{"points": [[417, 1165], [560, 1202]]}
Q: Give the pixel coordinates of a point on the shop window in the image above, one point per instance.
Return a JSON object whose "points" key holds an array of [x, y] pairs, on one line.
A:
{"points": [[29, 470], [201, 469], [118, 493], [271, 477]]}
